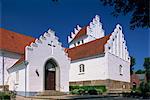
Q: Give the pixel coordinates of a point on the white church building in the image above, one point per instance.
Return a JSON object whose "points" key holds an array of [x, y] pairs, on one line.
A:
{"points": [[97, 59], [29, 65]]}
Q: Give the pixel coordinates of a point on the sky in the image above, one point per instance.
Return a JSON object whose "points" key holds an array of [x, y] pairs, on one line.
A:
{"points": [[34, 17]]}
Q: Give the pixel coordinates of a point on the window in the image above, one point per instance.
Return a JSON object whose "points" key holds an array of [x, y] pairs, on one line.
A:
{"points": [[17, 77], [78, 42], [81, 68], [119, 28], [120, 70], [82, 41]]}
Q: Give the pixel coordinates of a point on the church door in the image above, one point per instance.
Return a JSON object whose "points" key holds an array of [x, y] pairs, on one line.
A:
{"points": [[50, 76], [50, 80]]}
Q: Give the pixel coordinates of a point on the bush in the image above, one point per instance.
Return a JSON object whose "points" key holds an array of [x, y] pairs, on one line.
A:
{"points": [[92, 92], [75, 91], [81, 91], [73, 87], [99, 91], [142, 91], [88, 89], [4, 96]]}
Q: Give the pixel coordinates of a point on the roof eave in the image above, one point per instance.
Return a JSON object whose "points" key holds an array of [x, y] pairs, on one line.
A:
{"points": [[16, 65], [89, 57]]}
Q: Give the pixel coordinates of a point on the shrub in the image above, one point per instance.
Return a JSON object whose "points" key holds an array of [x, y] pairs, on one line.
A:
{"points": [[4, 96], [92, 92], [81, 91], [73, 87], [98, 89], [75, 91]]}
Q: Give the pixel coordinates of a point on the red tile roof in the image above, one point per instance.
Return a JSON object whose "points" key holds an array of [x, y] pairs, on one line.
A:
{"points": [[14, 42], [81, 33], [88, 49]]}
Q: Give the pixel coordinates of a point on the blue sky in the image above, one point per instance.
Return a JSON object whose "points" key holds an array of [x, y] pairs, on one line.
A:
{"points": [[34, 17]]}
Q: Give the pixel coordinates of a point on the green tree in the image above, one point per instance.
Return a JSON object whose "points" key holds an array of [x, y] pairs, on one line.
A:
{"points": [[132, 63], [147, 68], [139, 10], [140, 71]]}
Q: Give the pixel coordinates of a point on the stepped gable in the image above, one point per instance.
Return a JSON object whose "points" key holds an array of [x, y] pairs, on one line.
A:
{"points": [[38, 41], [94, 28]]}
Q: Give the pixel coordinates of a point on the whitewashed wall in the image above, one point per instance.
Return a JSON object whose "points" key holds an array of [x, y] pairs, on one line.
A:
{"points": [[9, 60], [113, 68], [95, 69], [19, 85], [37, 54], [117, 53], [1, 71]]}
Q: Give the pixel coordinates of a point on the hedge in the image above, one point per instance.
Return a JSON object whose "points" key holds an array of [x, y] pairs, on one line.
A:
{"points": [[82, 89]]}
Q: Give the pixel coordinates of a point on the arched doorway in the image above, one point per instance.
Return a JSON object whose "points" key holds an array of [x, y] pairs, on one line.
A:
{"points": [[50, 75]]}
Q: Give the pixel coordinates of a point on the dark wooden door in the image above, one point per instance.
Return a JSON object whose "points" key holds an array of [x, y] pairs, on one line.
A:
{"points": [[50, 80]]}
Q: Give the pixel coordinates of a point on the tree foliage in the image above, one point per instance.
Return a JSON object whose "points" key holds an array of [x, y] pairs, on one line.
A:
{"points": [[147, 68], [140, 71], [132, 63], [139, 10]]}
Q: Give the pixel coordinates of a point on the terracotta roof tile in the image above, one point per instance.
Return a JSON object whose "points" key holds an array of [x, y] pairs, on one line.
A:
{"points": [[88, 49], [81, 33], [14, 42]]}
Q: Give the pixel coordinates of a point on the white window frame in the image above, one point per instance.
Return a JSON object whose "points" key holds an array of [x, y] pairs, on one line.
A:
{"points": [[121, 70], [81, 68]]}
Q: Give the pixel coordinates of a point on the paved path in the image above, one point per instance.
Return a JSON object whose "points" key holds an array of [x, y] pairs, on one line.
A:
{"points": [[81, 97]]}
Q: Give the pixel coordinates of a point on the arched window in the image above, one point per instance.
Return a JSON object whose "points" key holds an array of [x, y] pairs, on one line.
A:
{"points": [[120, 70], [82, 41], [81, 68], [78, 42]]}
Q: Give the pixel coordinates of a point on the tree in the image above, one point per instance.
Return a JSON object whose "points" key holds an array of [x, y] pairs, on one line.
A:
{"points": [[139, 10], [147, 68], [140, 71], [132, 63]]}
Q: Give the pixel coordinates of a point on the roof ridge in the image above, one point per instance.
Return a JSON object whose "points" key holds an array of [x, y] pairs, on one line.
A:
{"points": [[91, 41]]}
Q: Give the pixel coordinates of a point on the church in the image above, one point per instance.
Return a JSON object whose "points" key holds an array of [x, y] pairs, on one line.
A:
{"points": [[97, 59], [30, 65]]}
